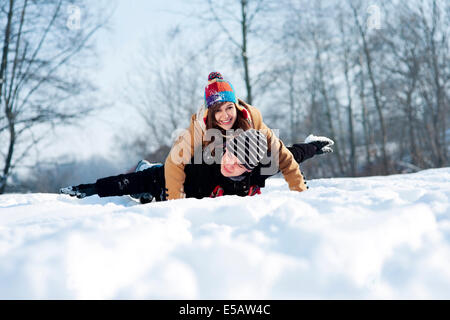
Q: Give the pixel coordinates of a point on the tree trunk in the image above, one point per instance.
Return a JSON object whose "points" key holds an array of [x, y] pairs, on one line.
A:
{"points": [[439, 117], [292, 107], [374, 93], [5, 48], [8, 160], [8, 111], [244, 50], [328, 110], [365, 120], [350, 123], [351, 136]]}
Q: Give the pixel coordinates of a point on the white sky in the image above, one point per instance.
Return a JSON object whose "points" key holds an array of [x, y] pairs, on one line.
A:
{"points": [[133, 22]]}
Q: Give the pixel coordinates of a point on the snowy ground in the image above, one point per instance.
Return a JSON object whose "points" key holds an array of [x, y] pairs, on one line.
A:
{"points": [[377, 237]]}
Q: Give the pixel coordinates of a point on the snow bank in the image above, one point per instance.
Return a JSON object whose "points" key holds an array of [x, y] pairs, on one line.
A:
{"points": [[376, 237]]}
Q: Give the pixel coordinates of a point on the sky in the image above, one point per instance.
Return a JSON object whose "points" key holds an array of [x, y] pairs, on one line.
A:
{"points": [[133, 22]]}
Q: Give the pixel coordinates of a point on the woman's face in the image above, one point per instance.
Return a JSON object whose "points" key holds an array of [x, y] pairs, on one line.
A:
{"points": [[230, 165], [226, 115]]}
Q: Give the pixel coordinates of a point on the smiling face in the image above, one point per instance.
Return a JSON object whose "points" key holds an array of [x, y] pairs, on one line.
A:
{"points": [[230, 165], [226, 115]]}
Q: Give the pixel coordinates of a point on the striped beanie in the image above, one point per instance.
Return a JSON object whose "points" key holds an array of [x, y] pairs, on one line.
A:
{"points": [[218, 90], [249, 147]]}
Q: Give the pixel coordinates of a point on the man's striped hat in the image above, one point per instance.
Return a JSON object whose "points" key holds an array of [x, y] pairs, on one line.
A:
{"points": [[249, 147]]}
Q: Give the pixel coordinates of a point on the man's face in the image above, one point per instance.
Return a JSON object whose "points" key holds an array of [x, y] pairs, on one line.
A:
{"points": [[230, 165]]}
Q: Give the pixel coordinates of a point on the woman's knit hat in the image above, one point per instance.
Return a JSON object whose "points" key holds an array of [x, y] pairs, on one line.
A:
{"points": [[218, 90], [249, 147]]}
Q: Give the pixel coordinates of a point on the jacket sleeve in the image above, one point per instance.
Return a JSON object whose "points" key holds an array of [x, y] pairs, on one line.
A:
{"points": [[302, 151], [287, 164], [181, 153]]}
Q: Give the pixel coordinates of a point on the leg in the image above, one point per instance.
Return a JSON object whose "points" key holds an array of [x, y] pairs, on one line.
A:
{"points": [[145, 197], [150, 180]]}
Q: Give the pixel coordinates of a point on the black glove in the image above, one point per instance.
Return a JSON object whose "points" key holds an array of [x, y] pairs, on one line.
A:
{"points": [[80, 191], [322, 144], [320, 147]]}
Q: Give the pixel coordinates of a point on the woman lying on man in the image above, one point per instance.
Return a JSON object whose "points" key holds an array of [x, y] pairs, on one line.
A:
{"points": [[242, 165]]}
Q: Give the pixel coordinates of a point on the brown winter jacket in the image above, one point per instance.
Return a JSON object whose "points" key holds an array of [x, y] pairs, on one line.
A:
{"points": [[183, 150]]}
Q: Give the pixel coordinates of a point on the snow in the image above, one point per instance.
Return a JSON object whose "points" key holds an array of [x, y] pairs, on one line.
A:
{"points": [[347, 238]]}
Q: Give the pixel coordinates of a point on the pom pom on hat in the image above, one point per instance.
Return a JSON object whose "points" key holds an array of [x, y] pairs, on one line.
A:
{"points": [[214, 75]]}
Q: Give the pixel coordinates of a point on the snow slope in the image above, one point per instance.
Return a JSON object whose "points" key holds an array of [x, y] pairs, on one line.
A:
{"points": [[375, 237]]}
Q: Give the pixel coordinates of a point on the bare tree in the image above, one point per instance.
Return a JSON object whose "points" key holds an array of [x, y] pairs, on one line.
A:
{"points": [[365, 119], [383, 96], [238, 22], [50, 176], [416, 38], [346, 63], [42, 84], [310, 56], [165, 88], [403, 43], [436, 34], [374, 85]]}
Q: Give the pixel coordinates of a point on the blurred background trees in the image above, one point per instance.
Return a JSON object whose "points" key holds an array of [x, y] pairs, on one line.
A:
{"points": [[372, 75], [41, 83]]}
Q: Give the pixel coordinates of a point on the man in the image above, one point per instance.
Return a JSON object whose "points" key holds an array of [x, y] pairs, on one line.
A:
{"points": [[240, 172]]}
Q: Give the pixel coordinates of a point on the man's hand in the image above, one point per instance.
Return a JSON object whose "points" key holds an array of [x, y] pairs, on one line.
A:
{"points": [[80, 191], [322, 144]]}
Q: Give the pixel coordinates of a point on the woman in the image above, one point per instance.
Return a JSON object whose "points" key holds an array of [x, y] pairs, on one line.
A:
{"points": [[223, 111]]}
